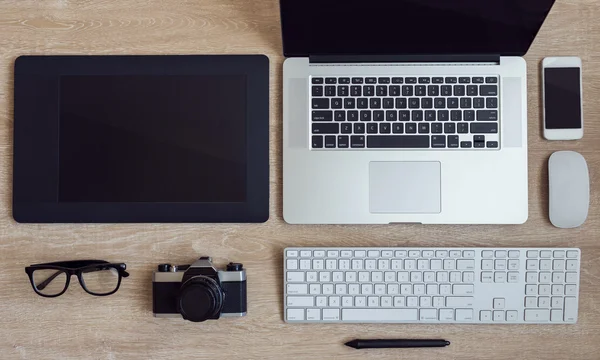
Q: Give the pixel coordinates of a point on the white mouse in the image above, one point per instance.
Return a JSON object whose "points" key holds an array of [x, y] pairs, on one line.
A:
{"points": [[569, 180]]}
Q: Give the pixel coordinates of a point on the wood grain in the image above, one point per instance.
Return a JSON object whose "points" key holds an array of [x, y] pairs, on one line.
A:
{"points": [[121, 326]]}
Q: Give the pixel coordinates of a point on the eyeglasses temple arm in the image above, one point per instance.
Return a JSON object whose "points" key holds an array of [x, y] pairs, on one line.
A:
{"points": [[43, 284]]}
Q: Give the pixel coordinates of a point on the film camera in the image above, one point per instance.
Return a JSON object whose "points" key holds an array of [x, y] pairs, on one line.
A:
{"points": [[199, 292]]}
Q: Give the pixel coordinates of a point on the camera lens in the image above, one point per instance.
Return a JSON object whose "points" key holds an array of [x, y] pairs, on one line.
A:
{"points": [[200, 298]]}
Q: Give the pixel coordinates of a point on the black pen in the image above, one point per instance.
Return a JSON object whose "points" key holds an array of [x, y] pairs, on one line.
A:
{"points": [[395, 343]]}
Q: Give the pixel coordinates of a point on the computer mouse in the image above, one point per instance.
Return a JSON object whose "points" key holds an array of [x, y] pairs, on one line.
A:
{"points": [[569, 182]]}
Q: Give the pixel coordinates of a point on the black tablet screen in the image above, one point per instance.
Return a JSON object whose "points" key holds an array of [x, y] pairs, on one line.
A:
{"points": [[157, 138]]}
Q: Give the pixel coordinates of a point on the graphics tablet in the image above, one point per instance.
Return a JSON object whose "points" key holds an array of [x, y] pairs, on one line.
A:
{"points": [[141, 139]]}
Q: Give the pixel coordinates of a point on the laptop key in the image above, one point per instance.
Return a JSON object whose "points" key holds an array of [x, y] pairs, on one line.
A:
{"points": [[437, 80], [469, 115], [414, 103], [417, 115], [491, 79], [426, 103], [478, 80], [359, 128], [420, 90], [430, 115], [478, 103], [384, 128], [424, 128], [439, 103], [488, 90], [352, 115], [357, 80], [397, 80], [384, 80], [465, 103], [363, 103], [436, 128], [446, 90], [388, 103], [464, 80], [479, 144], [329, 90], [365, 115], [451, 80], [491, 103], [484, 128], [443, 115], [411, 128], [404, 115], [344, 80], [487, 115], [378, 115], [395, 90], [369, 90], [433, 90], [336, 103], [449, 128], [356, 90], [342, 90], [371, 80], [375, 103], [317, 141], [472, 90], [456, 115], [478, 138], [398, 141], [317, 90], [459, 90], [411, 80], [391, 115], [492, 144], [453, 103], [401, 103], [424, 80], [381, 90], [407, 90], [317, 80], [453, 141], [357, 141], [463, 128], [371, 128], [466, 144], [326, 128], [339, 115], [438, 141], [322, 115], [349, 103], [321, 103], [398, 128], [346, 128], [343, 141]]}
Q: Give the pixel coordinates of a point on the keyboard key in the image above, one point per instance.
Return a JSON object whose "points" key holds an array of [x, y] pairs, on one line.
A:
{"points": [[357, 141], [342, 90], [407, 90], [487, 115], [459, 301], [356, 90], [357, 80], [537, 315], [378, 115], [349, 103], [414, 103], [391, 115], [370, 80], [491, 80], [488, 90], [297, 289], [443, 115], [375, 103], [343, 141], [438, 103], [325, 128], [320, 103], [397, 80], [484, 128], [424, 80], [452, 103], [362, 103], [381, 90], [401, 103], [430, 115], [464, 80], [478, 144], [570, 309], [369, 90], [388, 103], [492, 144], [437, 80], [451, 80], [459, 90], [438, 141], [449, 128], [411, 128], [359, 128], [426, 103], [478, 103], [464, 314], [372, 128], [446, 90], [317, 141], [339, 115], [491, 103], [463, 128], [317, 91], [317, 80], [344, 80], [420, 90], [411, 80], [433, 90], [465, 103], [456, 115], [436, 128], [383, 80], [387, 315], [424, 129], [330, 91], [300, 301], [417, 115], [398, 128], [398, 141], [472, 90], [469, 115], [331, 314], [384, 128], [322, 115], [336, 103], [295, 314], [365, 115], [395, 90]]}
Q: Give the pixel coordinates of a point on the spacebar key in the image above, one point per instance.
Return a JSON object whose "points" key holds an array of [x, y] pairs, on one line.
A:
{"points": [[399, 141], [379, 315]]}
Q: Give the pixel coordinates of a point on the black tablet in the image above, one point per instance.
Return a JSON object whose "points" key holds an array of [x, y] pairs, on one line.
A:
{"points": [[141, 139]]}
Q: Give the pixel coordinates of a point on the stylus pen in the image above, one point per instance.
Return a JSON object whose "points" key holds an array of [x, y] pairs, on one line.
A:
{"points": [[396, 343]]}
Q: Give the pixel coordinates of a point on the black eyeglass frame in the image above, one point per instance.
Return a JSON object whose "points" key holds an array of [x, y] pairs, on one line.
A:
{"points": [[76, 267]]}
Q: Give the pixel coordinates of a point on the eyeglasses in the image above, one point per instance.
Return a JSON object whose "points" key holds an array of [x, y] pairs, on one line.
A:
{"points": [[97, 277]]}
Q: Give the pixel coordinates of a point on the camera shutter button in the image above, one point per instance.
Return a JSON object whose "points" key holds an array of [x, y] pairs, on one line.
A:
{"points": [[164, 267], [234, 267]]}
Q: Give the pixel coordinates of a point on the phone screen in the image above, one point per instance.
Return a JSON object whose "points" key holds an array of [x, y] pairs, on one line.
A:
{"points": [[562, 98]]}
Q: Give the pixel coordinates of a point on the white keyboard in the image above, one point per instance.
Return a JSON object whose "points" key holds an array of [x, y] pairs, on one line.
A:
{"points": [[431, 285]]}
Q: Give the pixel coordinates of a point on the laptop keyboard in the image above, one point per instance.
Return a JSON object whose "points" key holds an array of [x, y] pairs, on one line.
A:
{"points": [[425, 112]]}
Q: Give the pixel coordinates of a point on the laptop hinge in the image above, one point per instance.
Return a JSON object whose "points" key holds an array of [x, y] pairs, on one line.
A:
{"points": [[468, 58]]}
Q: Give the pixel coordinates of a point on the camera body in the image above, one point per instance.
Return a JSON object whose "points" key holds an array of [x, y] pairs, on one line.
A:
{"points": [[199, 292]]}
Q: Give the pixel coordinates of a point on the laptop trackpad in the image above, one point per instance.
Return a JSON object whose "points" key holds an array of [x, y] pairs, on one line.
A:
{"points": [[405, 187]]}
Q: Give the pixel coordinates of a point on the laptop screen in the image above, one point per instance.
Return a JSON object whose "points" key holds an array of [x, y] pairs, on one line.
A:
{"points": [[410, 27]]}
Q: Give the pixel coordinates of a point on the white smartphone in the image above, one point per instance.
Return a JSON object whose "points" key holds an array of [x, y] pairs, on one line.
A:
{"points": [[563, 101]]}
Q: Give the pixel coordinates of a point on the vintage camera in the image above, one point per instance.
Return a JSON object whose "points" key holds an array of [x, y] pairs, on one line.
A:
{"points": [[199, 292]]}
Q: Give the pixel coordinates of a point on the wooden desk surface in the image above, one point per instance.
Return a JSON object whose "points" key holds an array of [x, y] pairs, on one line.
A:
{"points": [[121, 326]]}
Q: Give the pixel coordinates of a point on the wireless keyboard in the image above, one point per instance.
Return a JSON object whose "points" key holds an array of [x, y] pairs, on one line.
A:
{"points": [[431, 285]]}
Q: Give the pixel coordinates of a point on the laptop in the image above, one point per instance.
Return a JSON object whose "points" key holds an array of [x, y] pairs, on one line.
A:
{"points": [[406, 111]]}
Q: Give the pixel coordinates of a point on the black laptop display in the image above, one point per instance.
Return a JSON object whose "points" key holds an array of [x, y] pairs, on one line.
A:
{"points": [[161, 139], [403, 27]]}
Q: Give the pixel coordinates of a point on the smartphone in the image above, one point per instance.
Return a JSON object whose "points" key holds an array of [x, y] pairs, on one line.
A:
{"points": [[563, 101]]}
